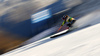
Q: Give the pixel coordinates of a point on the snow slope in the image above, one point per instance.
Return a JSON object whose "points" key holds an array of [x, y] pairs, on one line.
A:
{"points": [[85, 42]]}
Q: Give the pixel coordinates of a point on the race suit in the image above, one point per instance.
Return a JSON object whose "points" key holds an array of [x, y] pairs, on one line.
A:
{"points": [[69, 21]]}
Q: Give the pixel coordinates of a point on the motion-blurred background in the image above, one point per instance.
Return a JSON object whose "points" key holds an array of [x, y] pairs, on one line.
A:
{"points": [[21, 20]]}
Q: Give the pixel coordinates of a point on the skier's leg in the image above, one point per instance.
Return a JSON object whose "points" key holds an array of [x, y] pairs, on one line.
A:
{"points": [[73, 21], [69, 24]]}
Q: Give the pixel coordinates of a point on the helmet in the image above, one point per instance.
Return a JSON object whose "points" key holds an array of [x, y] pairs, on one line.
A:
{"points": [[64, 17]]}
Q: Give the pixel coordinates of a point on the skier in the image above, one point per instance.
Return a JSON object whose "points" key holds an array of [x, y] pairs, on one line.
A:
{"points": [[68, 21]]}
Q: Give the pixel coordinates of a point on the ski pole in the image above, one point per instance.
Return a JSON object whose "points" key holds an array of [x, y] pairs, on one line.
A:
{"points": [[59, 28]]}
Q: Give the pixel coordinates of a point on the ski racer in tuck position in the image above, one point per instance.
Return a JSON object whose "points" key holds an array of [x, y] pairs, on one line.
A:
{"points": [[69, 21]]}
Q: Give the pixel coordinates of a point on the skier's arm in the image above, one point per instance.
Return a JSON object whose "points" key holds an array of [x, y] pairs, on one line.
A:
{"points": [[63, 23]]}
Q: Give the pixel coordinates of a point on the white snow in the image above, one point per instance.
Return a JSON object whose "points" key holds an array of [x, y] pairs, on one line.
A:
{"points": [[85, 42]]}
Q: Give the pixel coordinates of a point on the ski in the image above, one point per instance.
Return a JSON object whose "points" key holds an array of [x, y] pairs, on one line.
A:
{"points": [[59, 33]]}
